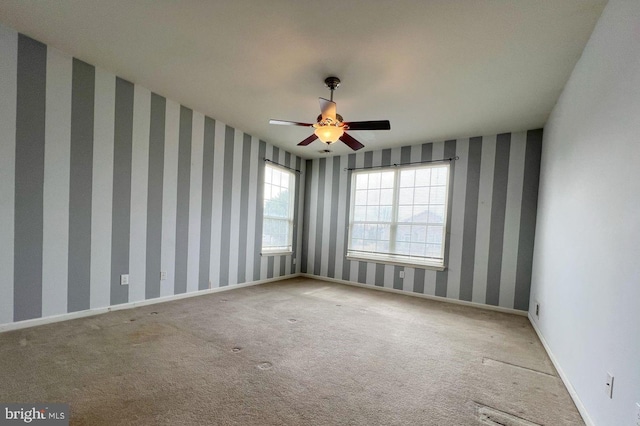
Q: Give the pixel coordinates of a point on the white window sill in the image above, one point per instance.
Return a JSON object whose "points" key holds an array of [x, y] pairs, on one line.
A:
{"points": [[388, 261], [276, 253]]}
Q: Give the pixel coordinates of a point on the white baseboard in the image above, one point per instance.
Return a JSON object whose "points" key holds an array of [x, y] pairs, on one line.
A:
{"points": [[572, 392], [97, 311], [423, 296]]}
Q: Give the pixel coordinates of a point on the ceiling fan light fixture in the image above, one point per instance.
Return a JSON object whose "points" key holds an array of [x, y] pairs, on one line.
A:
{"points": [[330, 127], [328, 133]]}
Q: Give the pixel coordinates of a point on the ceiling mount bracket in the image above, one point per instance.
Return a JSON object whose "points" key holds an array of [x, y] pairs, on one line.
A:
{"points": [[332, 83]]}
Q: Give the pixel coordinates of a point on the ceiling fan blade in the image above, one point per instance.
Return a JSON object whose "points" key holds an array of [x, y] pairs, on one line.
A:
{"points": [[328, 108], [369, 125], [289, 123], [308, 140], [351, 142]]}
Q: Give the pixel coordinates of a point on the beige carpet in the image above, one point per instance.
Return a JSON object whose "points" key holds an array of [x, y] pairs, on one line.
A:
{"points": [[295, 352]]}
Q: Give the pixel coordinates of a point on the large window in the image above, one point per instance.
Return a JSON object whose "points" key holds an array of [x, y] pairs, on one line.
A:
{"points": [[399, 214], [277, 224]]}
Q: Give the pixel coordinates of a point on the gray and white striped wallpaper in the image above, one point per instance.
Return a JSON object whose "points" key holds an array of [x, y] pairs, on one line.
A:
{"points": [[491, 220], [101, 177]]}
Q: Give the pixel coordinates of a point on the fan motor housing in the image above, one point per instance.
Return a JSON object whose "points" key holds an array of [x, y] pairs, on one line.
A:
{"points": [[338, 117]]}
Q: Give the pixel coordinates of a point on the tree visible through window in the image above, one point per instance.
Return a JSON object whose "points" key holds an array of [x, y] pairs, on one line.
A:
{"points": [[399, 214], [277, 223]]}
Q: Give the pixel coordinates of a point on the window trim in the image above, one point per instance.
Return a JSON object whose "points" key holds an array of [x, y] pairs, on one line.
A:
{"points": [[266, 251], [394, 259]]}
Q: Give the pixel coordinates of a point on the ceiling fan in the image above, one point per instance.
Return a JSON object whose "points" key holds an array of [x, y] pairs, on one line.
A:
{"points": [[330, 126]]}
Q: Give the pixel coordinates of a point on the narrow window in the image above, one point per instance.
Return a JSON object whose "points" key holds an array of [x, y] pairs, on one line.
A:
{"points": [[277, 222]]}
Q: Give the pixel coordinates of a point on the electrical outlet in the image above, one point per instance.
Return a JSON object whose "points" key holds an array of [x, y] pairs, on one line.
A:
{"points": [[537, 309], [401, 274], [609, 385], [637, 413], [124, 279], [163, 275]]}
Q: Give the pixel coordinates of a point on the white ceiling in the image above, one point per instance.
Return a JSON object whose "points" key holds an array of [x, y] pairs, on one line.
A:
{"points": [[435, 69]]}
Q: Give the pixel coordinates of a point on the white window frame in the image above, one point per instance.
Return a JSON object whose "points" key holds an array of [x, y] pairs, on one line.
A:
{"points": [[406, 260], [270, 251]]}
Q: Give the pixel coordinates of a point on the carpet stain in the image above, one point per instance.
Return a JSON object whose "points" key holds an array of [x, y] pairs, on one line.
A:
{"points": [[23, 342], [492, 417], [265, 365], [236, 349], [149, 333], [292, 320]]}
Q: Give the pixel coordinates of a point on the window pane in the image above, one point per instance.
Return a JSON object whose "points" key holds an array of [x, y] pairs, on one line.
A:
{"points": [[382, 246], [421, 195], [386, 197], [385, 214], [370, 231], [407, 178], [423, 177], [361, 180], [437, 195], [439, 176], [359, 213], [373, 197], [406, 196], [434, 234], [417, 249], [403, 248], [418, 234], [403, 233], [361, 198], [420, 213], [434, 250], [436, 214], [357, 231], [267, 207], [369, 245], [374, 180], [383, 232], [372, 213], [386, 180], [405, 213], [267, 174]]}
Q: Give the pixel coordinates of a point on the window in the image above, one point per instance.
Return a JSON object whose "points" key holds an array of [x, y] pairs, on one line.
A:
{"points": [[399, 215], [277, 222]]}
